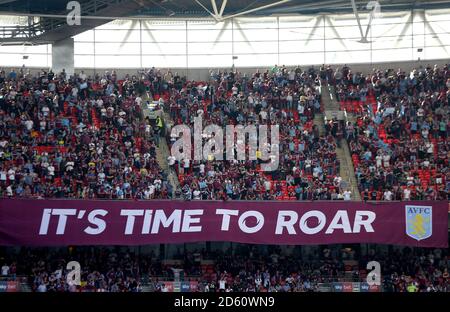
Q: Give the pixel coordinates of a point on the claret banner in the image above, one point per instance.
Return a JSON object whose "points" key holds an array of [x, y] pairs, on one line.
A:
{"points": [[84, 222]]}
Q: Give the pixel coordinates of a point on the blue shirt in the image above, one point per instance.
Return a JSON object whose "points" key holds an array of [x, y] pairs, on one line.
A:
{"points": [[291, 146], [65, 122], [301, 147]]}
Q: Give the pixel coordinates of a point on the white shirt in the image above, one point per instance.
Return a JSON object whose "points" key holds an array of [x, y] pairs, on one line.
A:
{"points": [[5, 270], [101, 176], [386, 159], [45, 110], [222, 284], [407, 194], [387, 195], [263, 114], [347, 195], [29, 124], [171, 159], [12, 174], [337, 181], [51, 170], [379, 159], [42, 288]]}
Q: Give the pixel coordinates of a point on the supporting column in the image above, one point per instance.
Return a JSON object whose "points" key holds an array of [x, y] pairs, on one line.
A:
{"points": [[63, 56]]}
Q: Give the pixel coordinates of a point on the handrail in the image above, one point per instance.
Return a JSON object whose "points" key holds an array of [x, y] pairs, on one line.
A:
{"points": [[375, 202]]}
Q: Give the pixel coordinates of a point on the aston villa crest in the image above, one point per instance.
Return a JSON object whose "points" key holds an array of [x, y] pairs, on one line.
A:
{"points": [[419, 222]]}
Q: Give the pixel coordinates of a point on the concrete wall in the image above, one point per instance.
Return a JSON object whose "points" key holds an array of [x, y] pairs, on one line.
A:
{"points": [[203, 73], [63, 56]]}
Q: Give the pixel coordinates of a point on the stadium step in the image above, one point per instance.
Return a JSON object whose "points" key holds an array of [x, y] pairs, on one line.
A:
{"points": [[320, 123], [347, 171], [328, 98], [163, 151]]}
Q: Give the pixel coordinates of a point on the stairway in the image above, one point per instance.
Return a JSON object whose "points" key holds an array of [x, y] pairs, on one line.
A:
{"points": [[347, 171], [319, 117], [328, 97], [320, 123], [163, 151]]}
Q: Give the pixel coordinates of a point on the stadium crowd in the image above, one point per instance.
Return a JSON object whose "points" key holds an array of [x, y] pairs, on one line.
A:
{"points": [[400, 140], [77, 137], [86, 137], [247, 269], [307, 168]]}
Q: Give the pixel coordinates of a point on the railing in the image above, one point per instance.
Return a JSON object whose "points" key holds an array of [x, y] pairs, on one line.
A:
{"points": [[373, 202]]}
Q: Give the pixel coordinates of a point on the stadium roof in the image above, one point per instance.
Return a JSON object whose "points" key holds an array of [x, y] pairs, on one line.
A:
{"points": [[196, 8], [52, 26]]}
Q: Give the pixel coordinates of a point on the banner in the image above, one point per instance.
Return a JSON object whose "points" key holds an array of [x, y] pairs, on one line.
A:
{"points": [[185, 286], [193, 286], [12, 286], [84, 222], [167, 287], [9, 286], [354, 287], [170, 286], [338, 287], [347, 287]]}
